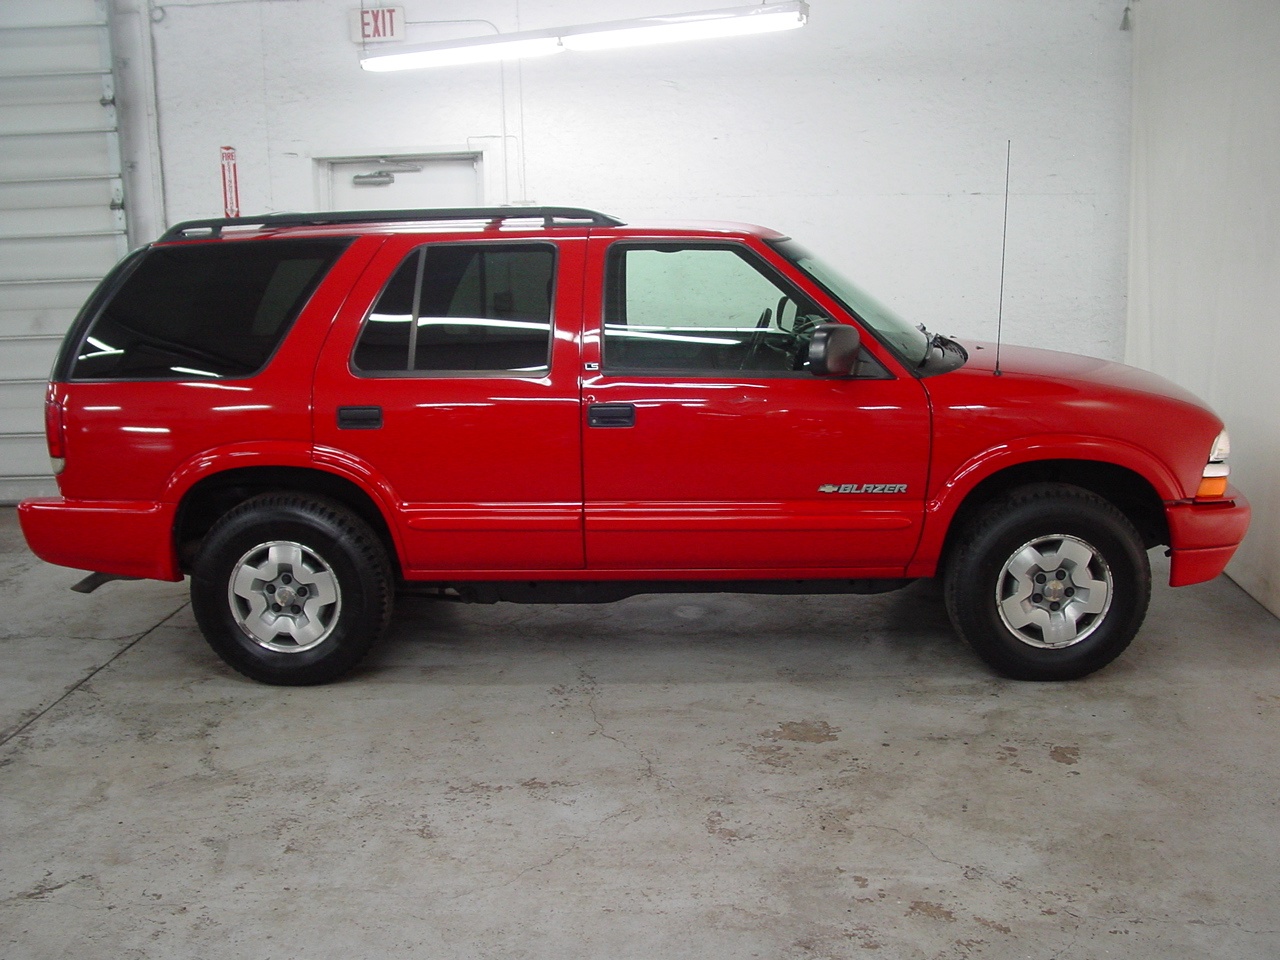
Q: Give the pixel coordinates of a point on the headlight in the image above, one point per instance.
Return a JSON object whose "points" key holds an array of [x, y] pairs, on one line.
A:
{"points": [[1221, 448], [1213, 483]]}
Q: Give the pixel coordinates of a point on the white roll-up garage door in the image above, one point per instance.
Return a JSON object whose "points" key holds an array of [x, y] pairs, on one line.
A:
{"points": [[62, 220]]}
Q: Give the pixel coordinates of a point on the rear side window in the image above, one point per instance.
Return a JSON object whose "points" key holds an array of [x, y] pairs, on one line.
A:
{"points": [[209, 310], [462, 309]]}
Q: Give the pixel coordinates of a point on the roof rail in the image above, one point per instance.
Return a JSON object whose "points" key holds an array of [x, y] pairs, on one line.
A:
{"points": [[202, 229]]}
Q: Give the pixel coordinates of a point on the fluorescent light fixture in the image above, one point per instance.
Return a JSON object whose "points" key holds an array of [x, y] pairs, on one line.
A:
{"points": [[727, 22], [730, 22], [510, 46]]}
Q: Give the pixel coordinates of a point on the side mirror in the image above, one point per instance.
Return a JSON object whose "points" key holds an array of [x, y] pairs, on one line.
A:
{"points": [[833, 351]]}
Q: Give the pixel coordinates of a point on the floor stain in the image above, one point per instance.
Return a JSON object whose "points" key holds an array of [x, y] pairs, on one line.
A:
{"points": [[42, 890], [864, 936], [537, 784], [716, 827], [993, 925], [772, 755], [1067, 755], [803, 731], [935, 910], [1008, 755]]}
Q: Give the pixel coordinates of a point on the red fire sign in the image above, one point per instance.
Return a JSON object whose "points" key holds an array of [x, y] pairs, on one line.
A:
{"points": [[230, 183]]}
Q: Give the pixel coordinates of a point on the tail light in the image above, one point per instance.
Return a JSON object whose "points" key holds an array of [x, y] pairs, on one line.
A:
{"points": [[55, 431]]}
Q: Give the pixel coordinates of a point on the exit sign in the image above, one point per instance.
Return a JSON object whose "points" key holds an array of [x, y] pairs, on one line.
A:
{"points": [[377, 24]]}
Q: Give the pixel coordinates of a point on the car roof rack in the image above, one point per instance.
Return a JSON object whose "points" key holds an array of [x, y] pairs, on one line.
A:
{"points": [[204, 229]]}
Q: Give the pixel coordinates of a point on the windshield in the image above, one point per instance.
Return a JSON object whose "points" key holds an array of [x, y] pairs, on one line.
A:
{"points": [[910, 343]]}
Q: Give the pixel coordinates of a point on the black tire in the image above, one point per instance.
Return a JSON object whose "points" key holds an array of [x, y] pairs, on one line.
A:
{"points": [[1051, 582], [323, 561]]}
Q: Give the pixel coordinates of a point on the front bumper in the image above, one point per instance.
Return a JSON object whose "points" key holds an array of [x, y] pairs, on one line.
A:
{"points": [[124, 538], [1204, 535]]}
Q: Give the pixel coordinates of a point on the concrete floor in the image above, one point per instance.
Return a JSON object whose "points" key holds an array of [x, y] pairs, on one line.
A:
{"points": [[697, 776]]}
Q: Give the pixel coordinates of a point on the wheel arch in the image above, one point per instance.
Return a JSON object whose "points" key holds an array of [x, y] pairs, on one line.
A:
{"points": [[212, 496], [1127, 489]]}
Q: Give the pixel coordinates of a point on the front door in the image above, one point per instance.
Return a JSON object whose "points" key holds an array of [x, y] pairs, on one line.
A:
{"points": [[456, 394], [708, 446]]}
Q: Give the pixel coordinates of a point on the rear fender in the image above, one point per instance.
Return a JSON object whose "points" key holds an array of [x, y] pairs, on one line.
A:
{"points": [[290, 455]]}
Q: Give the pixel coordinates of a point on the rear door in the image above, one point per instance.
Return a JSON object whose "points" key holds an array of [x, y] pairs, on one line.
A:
{"points": [[707, 444], [451, 383]]}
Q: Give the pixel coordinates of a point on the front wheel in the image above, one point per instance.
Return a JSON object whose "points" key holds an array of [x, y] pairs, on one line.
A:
{"points": [[1049, 583], [291, 589]]}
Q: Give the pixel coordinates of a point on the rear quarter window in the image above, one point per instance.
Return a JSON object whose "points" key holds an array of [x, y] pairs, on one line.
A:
{"points": [[202, 311]]}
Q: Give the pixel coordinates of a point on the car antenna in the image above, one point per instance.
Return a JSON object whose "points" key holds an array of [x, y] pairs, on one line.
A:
{"points": [[1004, 243]]}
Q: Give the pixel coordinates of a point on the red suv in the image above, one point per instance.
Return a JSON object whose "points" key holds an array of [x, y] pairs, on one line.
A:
{"points": [[307, 413]]}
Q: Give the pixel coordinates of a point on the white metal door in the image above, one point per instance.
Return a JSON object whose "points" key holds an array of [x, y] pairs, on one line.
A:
{"points": [[61, 207], [404, 182]]}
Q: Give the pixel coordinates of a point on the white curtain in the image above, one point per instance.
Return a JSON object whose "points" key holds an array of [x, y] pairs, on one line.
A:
{"points": [[1204, 293]]}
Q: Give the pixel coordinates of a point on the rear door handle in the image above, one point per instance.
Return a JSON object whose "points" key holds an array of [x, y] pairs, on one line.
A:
{"points": [[611, 415], [359, 418]]}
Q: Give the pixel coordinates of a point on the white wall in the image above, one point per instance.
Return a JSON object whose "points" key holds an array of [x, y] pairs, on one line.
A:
{"points": [[1205, 289], [876, 134]]}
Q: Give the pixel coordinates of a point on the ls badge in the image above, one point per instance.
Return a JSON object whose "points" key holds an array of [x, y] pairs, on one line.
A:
{"points": [[863, 488]]}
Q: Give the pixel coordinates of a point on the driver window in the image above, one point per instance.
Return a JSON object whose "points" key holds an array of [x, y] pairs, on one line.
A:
{"points": [[702, 309]]}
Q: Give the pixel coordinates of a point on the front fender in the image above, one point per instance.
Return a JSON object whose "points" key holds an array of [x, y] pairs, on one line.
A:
{"points": [[951, 490]]}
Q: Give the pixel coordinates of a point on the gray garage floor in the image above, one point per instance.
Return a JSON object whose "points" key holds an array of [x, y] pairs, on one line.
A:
{"points": [[699, 776]]}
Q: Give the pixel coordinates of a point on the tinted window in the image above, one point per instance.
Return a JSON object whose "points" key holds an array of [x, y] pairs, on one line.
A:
{"points": [[210, 310], [463, 307]]}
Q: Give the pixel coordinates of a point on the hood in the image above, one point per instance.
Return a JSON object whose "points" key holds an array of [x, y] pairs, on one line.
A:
{"points": [[1066, 368]]}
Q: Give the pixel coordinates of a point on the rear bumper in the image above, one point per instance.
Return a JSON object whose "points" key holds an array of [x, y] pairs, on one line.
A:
{"points": [[126, 538], [1203, 536]]}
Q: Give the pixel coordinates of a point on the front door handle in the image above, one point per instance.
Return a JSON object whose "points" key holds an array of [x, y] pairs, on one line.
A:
{"points": [[611, 415]]}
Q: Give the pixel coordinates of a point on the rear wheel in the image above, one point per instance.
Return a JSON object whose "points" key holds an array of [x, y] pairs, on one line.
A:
{"points": [[291, 589], [1049, 583]]}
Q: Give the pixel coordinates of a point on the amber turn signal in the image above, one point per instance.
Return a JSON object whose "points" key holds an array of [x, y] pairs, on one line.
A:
{"points": [[1211, 487]]}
